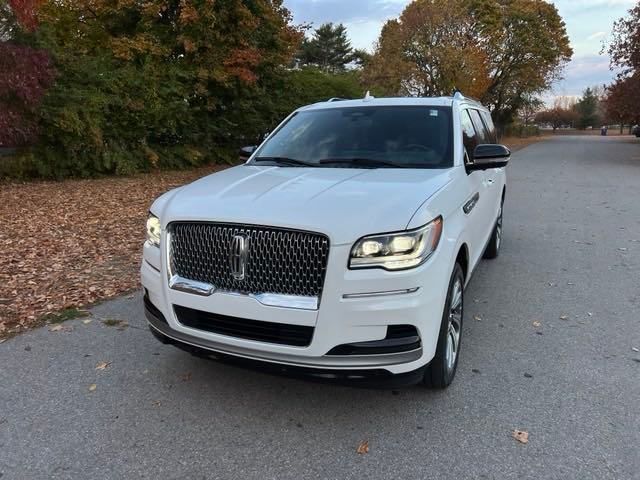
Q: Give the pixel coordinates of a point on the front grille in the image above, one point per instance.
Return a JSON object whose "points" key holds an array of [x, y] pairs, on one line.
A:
{"points": [[279, 261], [280, 333]]}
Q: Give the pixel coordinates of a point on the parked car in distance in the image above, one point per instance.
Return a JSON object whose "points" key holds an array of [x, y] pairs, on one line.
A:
{"points": [[341, 249], [636, 130]]}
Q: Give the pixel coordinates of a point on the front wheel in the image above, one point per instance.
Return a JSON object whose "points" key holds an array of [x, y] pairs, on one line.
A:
{"points": [[493, 248], [442, 369]]}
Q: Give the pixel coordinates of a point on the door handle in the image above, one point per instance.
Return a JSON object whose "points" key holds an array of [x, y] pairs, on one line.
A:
{"points": [[471, 203]]}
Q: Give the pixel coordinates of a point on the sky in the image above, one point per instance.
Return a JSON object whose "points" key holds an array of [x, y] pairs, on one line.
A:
{"points": [[589, 23]]}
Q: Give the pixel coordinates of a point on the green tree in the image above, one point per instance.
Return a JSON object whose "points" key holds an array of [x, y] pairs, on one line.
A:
{"points": [[156, 83], [587, 110], [329, 49], [500, 51]]}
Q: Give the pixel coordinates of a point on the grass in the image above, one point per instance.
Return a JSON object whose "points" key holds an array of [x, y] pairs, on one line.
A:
{"points": [[64, 315]]}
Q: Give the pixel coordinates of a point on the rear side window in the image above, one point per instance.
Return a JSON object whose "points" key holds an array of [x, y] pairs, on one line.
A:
{"points": [[481, 130], [469, 136], [493, 135]]}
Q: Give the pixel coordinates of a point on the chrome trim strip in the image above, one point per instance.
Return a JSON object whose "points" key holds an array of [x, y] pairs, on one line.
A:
{"points": [[470, 205], [355, 361], [286, 301], [185, 285], [381, 294]]}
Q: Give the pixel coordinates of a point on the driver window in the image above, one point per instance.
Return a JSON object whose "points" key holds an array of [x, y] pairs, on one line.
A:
{"points": [[469, 136]]}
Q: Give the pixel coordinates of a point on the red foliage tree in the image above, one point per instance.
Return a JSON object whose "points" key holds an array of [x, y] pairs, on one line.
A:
{"points": [[26, 12], [25, 74]]}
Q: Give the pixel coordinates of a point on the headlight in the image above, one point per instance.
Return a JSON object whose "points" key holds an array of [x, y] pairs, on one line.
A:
{"points": [[154, 230], [397, 251]]}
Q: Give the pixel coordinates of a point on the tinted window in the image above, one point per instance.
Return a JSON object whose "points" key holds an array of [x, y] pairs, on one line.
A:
{"points": [[469, 136], [493, 135], [483, 134], [418, 137]]}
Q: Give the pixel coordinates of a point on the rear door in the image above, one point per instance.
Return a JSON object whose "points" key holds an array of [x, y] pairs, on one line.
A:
{"points": [[487, 134], [476, 206]]}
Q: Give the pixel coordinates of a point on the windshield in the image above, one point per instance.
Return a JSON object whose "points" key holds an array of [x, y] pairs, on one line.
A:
{"points": [[373, 137]]}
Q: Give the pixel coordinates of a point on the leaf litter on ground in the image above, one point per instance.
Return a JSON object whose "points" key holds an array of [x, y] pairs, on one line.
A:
{"points": [[87, 261]]}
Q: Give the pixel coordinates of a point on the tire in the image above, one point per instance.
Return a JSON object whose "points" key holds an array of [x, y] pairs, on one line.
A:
{"points": [[493, 247], [442, 369]]}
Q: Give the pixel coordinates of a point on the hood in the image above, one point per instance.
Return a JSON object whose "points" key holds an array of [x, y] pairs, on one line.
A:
{"points": [[343, 203]]}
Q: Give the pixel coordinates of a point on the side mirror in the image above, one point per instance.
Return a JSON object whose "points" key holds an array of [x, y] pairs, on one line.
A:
{"points": [[246, 152], [489, 156]]}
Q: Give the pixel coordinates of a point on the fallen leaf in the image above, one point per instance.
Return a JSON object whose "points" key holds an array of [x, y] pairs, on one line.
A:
{"points": [[521, 436], [156, 403], [564, 317], [536, 323], [57, 328], [590, 314], [92, 387], [363, 447], [635, 349], [186, 377], [478, 318], [102, 365], [87, 321], [2, 340]]}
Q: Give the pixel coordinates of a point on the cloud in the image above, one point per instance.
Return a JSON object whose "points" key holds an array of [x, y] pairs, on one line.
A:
{"points": [[597, 35], [584, 71]]}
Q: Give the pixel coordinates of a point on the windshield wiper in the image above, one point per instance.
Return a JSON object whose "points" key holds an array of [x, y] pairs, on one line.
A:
{"points": [[362, 161], [286, 161]]}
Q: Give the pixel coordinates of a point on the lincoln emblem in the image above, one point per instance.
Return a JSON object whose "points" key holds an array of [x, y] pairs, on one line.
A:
{"points": [[238, 256]]}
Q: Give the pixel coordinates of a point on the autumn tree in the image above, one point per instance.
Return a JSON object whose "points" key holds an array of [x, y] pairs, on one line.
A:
{"points": [[25, 75], [622, 101], [624, 48], [499, 51], [158, 83], [561, 114], [329, 49]]}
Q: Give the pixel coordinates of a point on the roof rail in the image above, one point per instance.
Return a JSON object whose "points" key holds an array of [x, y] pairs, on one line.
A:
{"points": [[336, 99], [458, 95]]}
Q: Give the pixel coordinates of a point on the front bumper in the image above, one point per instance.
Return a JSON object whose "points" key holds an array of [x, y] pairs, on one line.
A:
{"points": [[368, 377], [342, 319]]}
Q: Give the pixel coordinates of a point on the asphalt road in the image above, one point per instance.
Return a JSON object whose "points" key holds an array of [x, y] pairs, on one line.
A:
{"points": [[572, 247]]}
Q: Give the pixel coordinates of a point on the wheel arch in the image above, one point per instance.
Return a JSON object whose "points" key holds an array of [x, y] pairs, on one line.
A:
{"points": [[463, 259]]}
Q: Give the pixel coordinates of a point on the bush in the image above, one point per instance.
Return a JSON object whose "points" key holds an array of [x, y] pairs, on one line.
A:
{"points": [[521, 131]]}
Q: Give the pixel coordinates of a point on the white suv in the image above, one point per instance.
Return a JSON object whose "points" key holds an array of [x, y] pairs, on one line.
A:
{"points": [[340, 249]]}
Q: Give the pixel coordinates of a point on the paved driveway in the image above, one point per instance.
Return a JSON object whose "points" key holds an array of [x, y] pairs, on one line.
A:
{"points": [[572, 248]]}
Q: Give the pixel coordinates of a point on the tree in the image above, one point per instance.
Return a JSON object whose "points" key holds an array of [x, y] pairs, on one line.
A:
{"points": [[622, 102], [624, 48], [561, 114], [157, 83], [587, 110], [531, 106], [25, 75], [501, 51], [329, 49]]}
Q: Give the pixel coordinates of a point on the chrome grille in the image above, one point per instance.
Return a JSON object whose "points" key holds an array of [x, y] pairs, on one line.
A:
{"points": [[278, 261]]}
